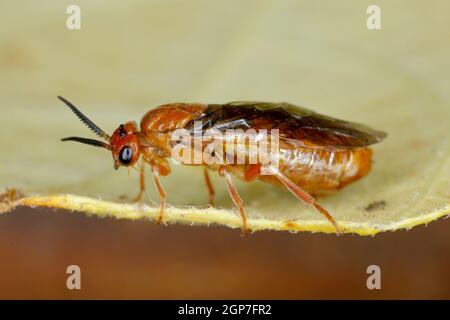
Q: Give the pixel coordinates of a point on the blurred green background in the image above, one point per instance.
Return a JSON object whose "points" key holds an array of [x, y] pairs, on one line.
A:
{"points": [[130, 56]]}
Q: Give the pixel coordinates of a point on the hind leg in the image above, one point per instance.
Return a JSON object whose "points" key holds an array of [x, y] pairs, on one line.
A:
{"points": [[304, 197]]}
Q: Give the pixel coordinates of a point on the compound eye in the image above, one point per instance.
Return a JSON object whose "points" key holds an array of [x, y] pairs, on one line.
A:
{"points": [[126, 154]]}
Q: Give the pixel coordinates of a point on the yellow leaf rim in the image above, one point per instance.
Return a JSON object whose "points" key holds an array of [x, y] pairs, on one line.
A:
{"points": [[211, 216]]}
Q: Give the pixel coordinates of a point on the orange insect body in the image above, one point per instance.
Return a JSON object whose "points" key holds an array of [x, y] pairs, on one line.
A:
{"points": [[317, 171], [317, 154]]}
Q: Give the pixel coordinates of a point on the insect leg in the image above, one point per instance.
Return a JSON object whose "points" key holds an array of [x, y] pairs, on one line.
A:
{"points": [[236, 198], [141, 182], [305, 197], [211, 192], [162, 195]]}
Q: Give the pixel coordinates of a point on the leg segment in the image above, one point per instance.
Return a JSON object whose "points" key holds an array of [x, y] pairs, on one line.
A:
{"points": [[305, 197], [162, 196], [141, 183], [211, 192], [236, 199]]}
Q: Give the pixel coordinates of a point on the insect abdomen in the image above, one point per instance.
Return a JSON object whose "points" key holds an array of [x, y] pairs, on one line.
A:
{"points": [[317, 171], [321, 171]]}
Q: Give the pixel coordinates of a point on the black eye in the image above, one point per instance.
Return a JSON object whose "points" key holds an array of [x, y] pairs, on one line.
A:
{"points": [[126, 154]]}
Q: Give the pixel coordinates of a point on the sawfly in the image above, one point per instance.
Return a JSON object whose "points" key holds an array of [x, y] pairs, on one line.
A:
{"points": [[316, 155]]}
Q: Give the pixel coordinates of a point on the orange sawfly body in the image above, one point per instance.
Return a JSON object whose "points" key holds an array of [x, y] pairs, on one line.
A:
{"points": [[317, 155]]}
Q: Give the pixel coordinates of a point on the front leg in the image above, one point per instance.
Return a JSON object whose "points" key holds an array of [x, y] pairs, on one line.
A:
{"points": [[160, 167], [162, 195], [141, 182]]}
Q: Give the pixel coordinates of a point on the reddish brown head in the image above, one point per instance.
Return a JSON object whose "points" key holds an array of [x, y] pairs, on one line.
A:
{"points": [[125, 145], [124, 142]]}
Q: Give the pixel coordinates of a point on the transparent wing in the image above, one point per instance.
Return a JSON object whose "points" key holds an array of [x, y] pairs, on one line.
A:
{"points": [[296, 126]]}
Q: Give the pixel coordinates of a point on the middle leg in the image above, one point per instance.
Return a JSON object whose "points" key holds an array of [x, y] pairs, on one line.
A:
{"points": [[236, 198], [210, 187]]}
